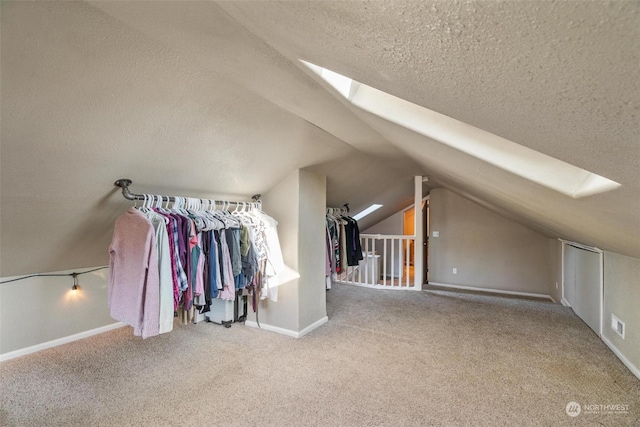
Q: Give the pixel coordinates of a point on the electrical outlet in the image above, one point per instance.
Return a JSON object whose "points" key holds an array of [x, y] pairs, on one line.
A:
{"points": [[617, 325], [436, 234], [455, 270], [556, 285]]}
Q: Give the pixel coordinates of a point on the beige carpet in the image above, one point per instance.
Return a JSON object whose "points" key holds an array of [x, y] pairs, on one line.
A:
{"points": [[391, 358]]}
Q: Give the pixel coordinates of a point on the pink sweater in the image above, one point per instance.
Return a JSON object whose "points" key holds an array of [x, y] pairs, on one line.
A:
{"points": [[133, 295]]}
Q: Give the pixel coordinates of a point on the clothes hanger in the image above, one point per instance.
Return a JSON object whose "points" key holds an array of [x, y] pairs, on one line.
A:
{"points": [[146, 206], [242, 215], [209, 214], [252, 212], [201, 213], [159, 200], [204, 212], [226, 216], [181, 205], [155, 206], [175, 203], [196, 212], [245, 213]]}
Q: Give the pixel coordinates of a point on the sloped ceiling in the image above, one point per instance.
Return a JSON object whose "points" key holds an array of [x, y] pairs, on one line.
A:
{"points": [[209, 99]]}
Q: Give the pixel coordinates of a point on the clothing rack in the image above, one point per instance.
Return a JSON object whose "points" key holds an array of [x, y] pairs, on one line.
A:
{"points": [[339, 211], [186, 315], [124, 183]]}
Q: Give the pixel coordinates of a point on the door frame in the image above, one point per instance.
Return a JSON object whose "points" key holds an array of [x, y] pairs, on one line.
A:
{"points": [[600, 253]]}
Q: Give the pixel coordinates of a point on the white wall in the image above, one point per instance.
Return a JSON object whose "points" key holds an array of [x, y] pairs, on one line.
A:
{"points": [[298, 204], [488, 250], [41, 309], [622, 298], [391, 225], [311, 249], [281, 203]]}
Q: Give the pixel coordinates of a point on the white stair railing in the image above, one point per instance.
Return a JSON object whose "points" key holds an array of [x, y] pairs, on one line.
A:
{"points": [[386, 264]]}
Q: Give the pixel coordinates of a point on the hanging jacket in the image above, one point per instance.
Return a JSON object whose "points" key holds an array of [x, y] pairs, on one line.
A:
{"points": [[133, 293]]}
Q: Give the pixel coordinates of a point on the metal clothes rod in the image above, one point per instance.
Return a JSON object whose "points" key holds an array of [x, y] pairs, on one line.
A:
{"points": [[124, 183]]}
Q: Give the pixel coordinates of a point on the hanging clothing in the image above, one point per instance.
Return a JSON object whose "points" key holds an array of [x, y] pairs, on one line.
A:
{"points": [[165, 263], [164, 271], [343, 248], [327, 270], [173, 250], [352, 242], [133, 293]]}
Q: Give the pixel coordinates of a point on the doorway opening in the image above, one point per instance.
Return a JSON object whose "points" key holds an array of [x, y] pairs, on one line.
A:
{"points": [[409, 230]]}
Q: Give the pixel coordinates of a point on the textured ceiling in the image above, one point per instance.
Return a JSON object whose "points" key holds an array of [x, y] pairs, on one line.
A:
{"points": [[209, 99]]}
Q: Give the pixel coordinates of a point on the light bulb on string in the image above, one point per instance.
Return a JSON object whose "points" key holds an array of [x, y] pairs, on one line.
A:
{"points": [[75, 286]]}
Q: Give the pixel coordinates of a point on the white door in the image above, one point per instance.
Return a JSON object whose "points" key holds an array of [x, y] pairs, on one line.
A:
{"points": [[582, 284]]}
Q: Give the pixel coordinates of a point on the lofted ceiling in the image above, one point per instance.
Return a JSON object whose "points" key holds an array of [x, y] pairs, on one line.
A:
{"points": [[210, 99]]}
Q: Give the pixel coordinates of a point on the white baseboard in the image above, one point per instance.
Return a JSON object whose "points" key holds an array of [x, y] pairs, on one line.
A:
{"points": [[383, 287], [634, 369], [313, 326], [288, 332], [565, 302], [276, 329], [494, 291], [64, 340]]}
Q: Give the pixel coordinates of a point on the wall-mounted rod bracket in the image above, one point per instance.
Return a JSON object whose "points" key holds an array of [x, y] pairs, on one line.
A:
{"points": [[124, 183]]}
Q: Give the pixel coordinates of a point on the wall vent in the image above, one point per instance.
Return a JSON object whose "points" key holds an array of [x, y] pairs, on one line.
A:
{"points": [[617, 325]]}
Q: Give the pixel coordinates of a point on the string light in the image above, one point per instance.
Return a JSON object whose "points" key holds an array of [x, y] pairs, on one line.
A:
{"points": [[75, 275], [75, 286]]}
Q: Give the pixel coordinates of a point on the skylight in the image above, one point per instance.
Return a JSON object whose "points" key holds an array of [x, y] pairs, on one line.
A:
{"points": [[366, 212], [517, 159]]}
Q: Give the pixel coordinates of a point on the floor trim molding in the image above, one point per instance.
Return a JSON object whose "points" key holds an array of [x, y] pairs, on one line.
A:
{"points": [[634, 370], [493, 291], [288, 332], [60, 341], [382, 287], [313, 326]]}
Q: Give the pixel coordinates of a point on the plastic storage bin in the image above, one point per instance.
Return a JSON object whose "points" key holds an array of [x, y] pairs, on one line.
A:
{"points": [[221, 311]]}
